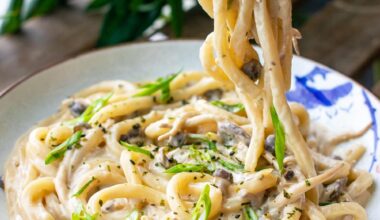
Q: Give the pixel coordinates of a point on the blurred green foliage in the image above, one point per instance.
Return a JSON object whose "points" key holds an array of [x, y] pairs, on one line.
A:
{"points": [[124, 20]]}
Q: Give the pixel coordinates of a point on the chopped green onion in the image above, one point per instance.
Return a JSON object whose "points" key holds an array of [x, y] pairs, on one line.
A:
{"points": [[279, 144], [234, 108], [249, 213], [134, 215], [137, 149], [81, 214], [204, 202], [162, 84], [203, 158], [231, 166], [91, 110], [60, 150], [211, 144], [186, 168], [84, 187]]}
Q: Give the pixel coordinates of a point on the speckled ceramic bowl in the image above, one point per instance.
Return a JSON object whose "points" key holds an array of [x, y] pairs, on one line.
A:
{"points": [[336, 104]]}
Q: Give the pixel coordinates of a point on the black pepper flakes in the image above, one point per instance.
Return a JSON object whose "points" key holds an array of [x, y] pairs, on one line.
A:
{"points": [[287, 195], [307, 182]]}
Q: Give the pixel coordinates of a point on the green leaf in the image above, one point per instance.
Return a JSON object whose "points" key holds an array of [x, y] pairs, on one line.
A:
{"points": [[234, 108], [231, 166], [40, 7], [376, 70], [186, 168], [249, 213], [136, 149], [204, 202], [177, 15], [134, 215], [84, 187], [211, 144], [91, 110], [279, 144], [162, 84], [12, 20], [123, 22], [97, 4], [82, 214], [61, 149]]}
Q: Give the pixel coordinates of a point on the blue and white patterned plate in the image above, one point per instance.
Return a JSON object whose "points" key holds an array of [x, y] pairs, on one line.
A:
{"points": [[336, 104]]}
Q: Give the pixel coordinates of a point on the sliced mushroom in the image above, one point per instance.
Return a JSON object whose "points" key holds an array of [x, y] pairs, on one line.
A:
{"points": [[269, 144], [213, 94], [134, 136], [223, 174], [77, 108], [82, 126], [232, 134], [162, 159], [334, 190], [252, 69], [222, 184], [177, 140]]}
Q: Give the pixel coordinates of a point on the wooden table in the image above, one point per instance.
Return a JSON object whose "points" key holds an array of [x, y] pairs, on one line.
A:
{"points": [[343, 36]]}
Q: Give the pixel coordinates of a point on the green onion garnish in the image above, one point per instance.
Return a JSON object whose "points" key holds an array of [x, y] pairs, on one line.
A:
{"points": [[134, 215], [179, 168], [231, 166], [84, 187], [249, 213], [81, 214], [211, 144], [279, 144], [60, 150], [234, 108], [162, 84], [204, 202], [91, 110], [137, 149]]}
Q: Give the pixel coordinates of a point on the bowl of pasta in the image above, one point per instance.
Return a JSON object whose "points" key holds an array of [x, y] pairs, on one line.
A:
{"points": [[115, 152], [190, 129]]}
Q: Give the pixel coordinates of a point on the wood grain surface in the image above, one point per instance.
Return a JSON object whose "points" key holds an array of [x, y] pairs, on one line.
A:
{"points": [[345, 35], [46, 41]]}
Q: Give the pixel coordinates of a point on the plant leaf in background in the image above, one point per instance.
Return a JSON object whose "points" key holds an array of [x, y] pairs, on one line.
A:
{"points": [[125, 22], [12, 19], [376, 70], [97, 4], [176, 16], [40, 7]]}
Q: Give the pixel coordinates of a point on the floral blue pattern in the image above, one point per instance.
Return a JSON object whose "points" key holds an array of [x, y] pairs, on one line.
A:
{"points": [[312, 97], [372, 112]]}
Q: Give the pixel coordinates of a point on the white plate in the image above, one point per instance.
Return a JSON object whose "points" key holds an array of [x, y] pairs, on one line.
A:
{"points": [[335, 103]]}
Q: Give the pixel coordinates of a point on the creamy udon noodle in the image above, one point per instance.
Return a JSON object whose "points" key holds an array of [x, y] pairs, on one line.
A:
{"points": [[219, 144]]}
